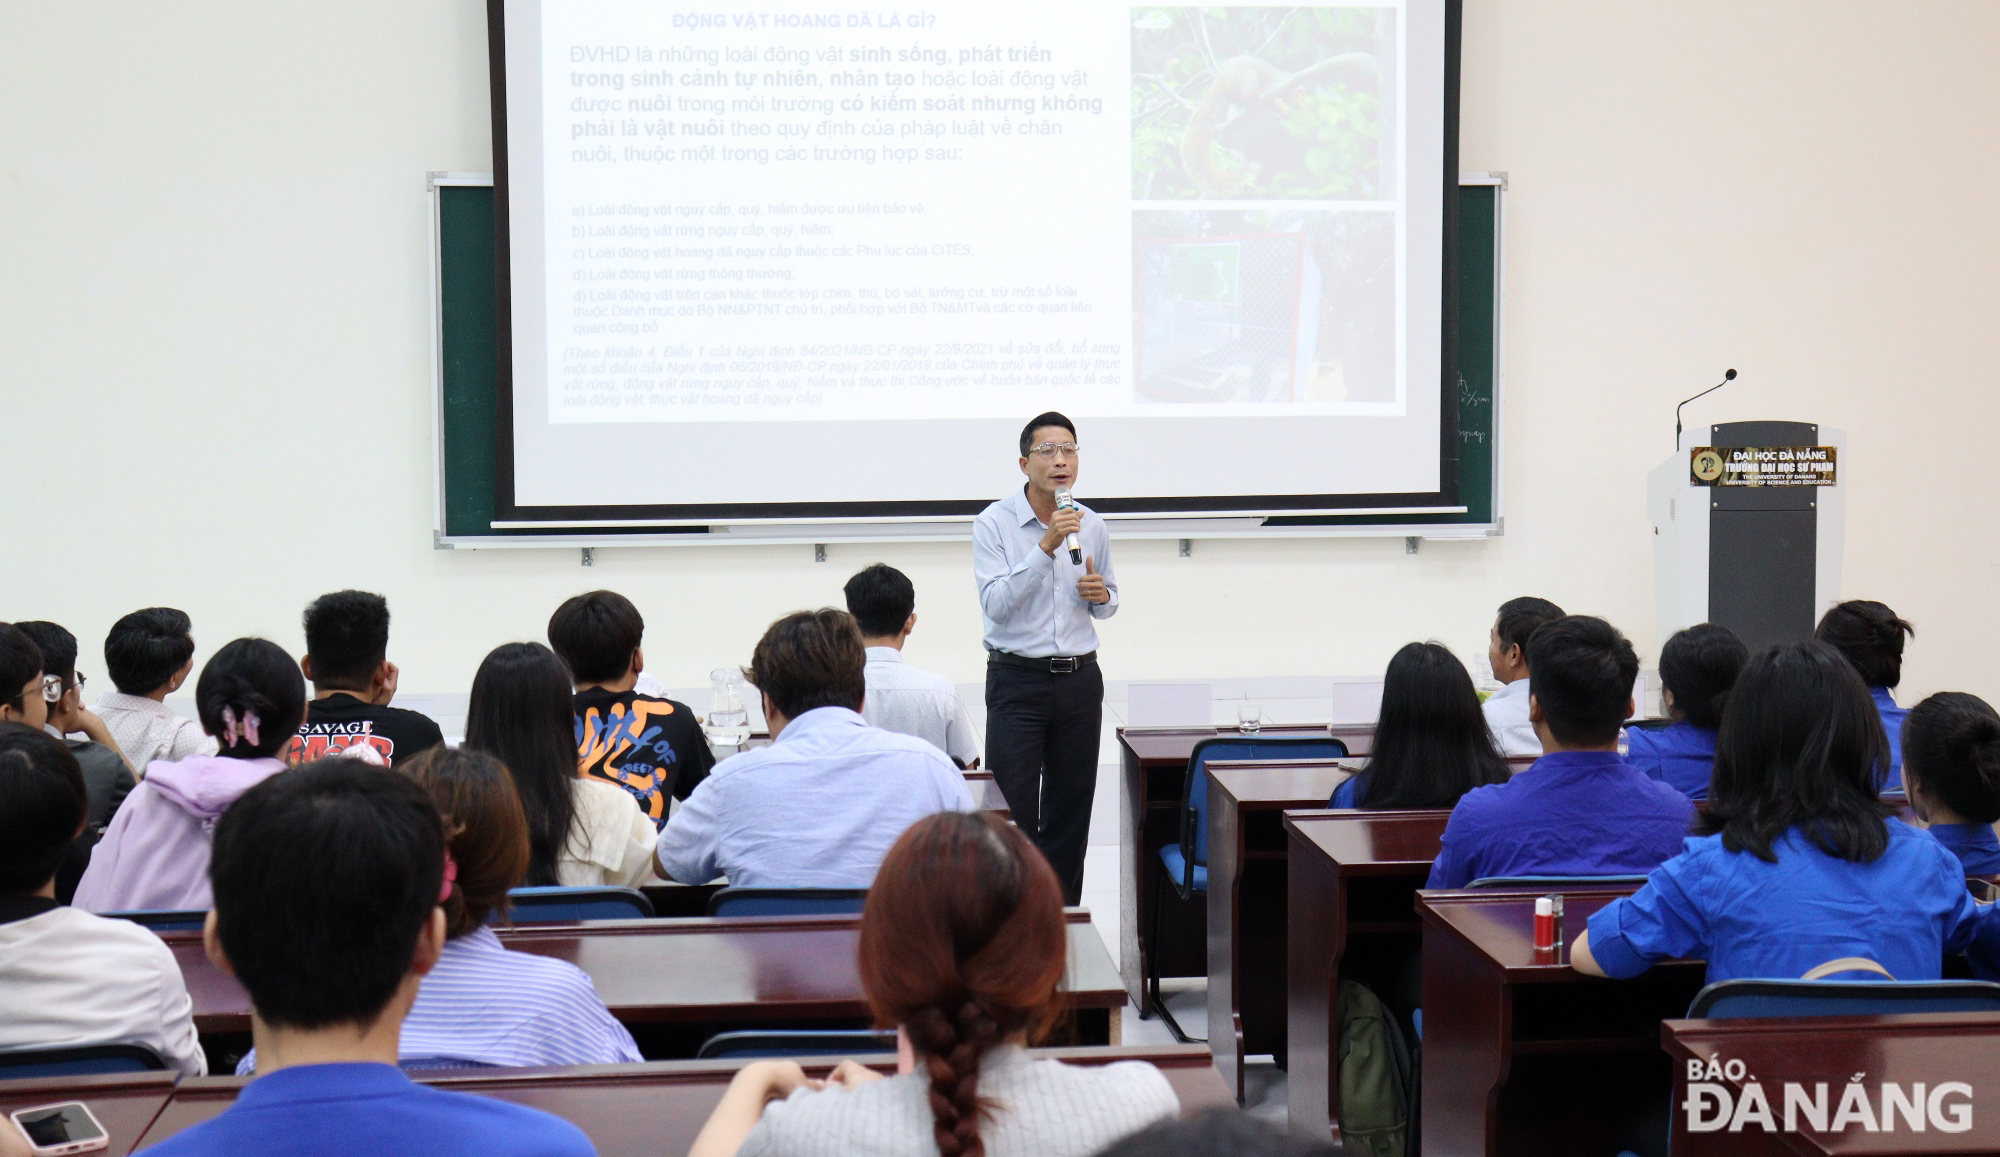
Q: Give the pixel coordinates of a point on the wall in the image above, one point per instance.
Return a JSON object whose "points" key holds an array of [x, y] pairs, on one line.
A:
{"points": [[215, 342]]}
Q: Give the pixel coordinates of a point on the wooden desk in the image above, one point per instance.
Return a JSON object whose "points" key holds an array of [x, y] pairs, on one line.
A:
{"points": [[1353, 879], [1521, 1052], [1153, 762], [1246, 900], [1914, 1051], [650, 1109], [986, 794], [124, 1103], [686, 979]]}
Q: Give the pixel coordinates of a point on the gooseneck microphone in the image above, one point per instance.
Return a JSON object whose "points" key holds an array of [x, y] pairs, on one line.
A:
{"points": [[1065, 502], [1727, 377]]}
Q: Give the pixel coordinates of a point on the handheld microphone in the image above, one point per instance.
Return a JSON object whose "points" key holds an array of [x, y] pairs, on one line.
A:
{"points": [[1065, 502], [1727, 378]]}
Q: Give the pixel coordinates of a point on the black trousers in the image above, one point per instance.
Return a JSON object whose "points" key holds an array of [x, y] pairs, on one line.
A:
{"points": [[1041, 745]]}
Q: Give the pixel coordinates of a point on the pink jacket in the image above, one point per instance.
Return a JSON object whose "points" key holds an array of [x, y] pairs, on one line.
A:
{"points": [[154, 855]]}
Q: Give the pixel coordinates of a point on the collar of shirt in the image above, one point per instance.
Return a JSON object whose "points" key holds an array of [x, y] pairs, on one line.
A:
{"points": [[1573, 765], [820, 722], [1024, 514], [1884, 698], [13, 908], [1966, 836], [1683, 738], [478, 942], [346, 1080], [119, 701], [1508, 692], [884, 655]]}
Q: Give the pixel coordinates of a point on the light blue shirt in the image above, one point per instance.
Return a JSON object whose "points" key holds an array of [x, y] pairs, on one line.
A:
{"points": [[1028, 599], [818, 808]]}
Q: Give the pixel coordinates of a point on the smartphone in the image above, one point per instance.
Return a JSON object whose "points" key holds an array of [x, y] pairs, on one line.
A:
{"points": [[54, 1130]]}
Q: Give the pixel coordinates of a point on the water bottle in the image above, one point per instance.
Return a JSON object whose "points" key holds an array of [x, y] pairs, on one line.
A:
{"points": [[728, 722]]}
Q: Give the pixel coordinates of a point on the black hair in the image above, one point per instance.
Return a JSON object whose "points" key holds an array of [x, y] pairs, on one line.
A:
{"points": [[1951, 748], [811, 659], [1871, 636], [1801, 746], [523, 713], [1047, 418], [1520, 618], [347, 638], [42, 806], [20, 661], [881, 599], [1581, 670], [1699, 665], [323, 878], [1224, 1132], [1431, 741], [251, 676], [58, 648], [595, 634], [145, 648]]}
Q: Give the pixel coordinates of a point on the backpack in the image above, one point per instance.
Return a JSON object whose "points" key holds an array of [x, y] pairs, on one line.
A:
{"points": [[1376, 1076]]}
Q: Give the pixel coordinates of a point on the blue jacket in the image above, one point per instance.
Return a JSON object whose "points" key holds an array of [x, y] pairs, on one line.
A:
{"points": [[1679, 754]]}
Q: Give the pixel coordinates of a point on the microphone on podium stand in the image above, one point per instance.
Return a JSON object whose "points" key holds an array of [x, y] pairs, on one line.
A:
{"points": [[1728, 377], [1065, 502]]}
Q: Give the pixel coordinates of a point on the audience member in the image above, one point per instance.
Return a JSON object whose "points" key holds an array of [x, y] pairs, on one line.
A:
{"points": [[106, 775], [1507, 651], [154, 855], [148, 655], [1951, 768], [1871, 637], [821, 805], [1431, 741], [901, 697], [1800, 863], [582, 832], [1698, 666], [21, 679], [1580, 810], [347, 659], [68, 977], [963, 949], [328, 881], [1217, 1133], [649, 745]]}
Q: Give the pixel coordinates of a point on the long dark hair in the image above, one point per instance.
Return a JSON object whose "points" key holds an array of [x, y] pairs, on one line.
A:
{"points": [[1431, 742], [521, 712], [1951, 750], [1802, 747], [963, 944]]}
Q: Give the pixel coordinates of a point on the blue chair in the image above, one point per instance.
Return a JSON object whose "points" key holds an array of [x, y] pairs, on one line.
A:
{"points": [[797, 1042], [1736, 999], [787, 902], [1557, 882], [1185, 865], [161, 920], [562, 905], [80, 1060]]}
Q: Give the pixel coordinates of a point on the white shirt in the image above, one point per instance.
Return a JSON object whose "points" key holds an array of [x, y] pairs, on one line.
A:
{"points": [[610, 841], [1027, 598], [817, 808], [146, 730], [1507, 718], [903, 699], [70, 978]]}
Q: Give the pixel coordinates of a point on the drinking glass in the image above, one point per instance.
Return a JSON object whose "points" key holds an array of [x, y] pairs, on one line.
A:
{"points": [[1249, 717]]}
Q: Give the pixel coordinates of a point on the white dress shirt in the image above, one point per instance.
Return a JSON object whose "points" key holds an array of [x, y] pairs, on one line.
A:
{"points": [[903, 699], [147, 730], [70, 978], [1027, 598], [1507, 718]]}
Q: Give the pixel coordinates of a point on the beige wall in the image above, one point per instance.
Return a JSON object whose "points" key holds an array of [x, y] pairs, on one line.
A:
{"points": [[214, 336]]}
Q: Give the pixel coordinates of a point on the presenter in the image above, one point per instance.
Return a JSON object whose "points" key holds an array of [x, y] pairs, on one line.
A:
{"points": [[1043, 565]]}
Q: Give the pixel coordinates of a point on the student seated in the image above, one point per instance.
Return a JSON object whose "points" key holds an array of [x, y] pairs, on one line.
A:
{"points": [[68, 977], [1507, 650], [147, 656], [154, 855], [1800, 863], [963, 950], [582, 833], [328, 881], [1579, 810], [1698, 666], [821, 805], [1871, 637], [1431, 742], [105, 772], [482, 1003], [902, 698], [347, 659], [1951, 768], [21, 679], [648, 745]]}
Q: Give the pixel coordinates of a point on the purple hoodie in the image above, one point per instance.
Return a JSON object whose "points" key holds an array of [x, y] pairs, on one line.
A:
{"points": [[154, 855]]}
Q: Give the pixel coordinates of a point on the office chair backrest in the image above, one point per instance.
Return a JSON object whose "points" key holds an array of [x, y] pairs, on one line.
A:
{"points": [[80, 1060], [797, 1043], [562, 905], [1194, 789], [787, 902], [162, 920]]}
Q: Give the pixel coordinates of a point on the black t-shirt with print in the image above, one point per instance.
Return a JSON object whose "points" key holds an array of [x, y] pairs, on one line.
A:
{"points": [[341, 721], [649, 746]]}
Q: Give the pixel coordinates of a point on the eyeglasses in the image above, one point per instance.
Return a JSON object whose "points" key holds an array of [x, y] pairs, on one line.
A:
{"points": [[52, 687], [1051, 449]]}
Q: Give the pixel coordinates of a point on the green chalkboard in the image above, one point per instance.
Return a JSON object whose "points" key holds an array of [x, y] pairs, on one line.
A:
{"points": [[468, 307]]}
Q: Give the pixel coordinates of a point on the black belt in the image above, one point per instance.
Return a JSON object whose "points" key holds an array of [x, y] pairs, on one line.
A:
{"points": [[1053, 664]]}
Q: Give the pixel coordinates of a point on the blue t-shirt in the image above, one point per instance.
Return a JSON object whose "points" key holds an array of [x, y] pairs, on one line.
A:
{"points": [[1892, 722], [1679, 754], [1777, 921], [1350, 788], [1573, 813], [1975, 845], [343, 1109]]}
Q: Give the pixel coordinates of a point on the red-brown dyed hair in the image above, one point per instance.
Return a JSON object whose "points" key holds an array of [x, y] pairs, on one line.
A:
{"points": [[962, 944]]}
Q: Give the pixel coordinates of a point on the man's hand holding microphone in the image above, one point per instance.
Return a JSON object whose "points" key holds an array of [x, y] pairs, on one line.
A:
{"points": [[1061, 534]]}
